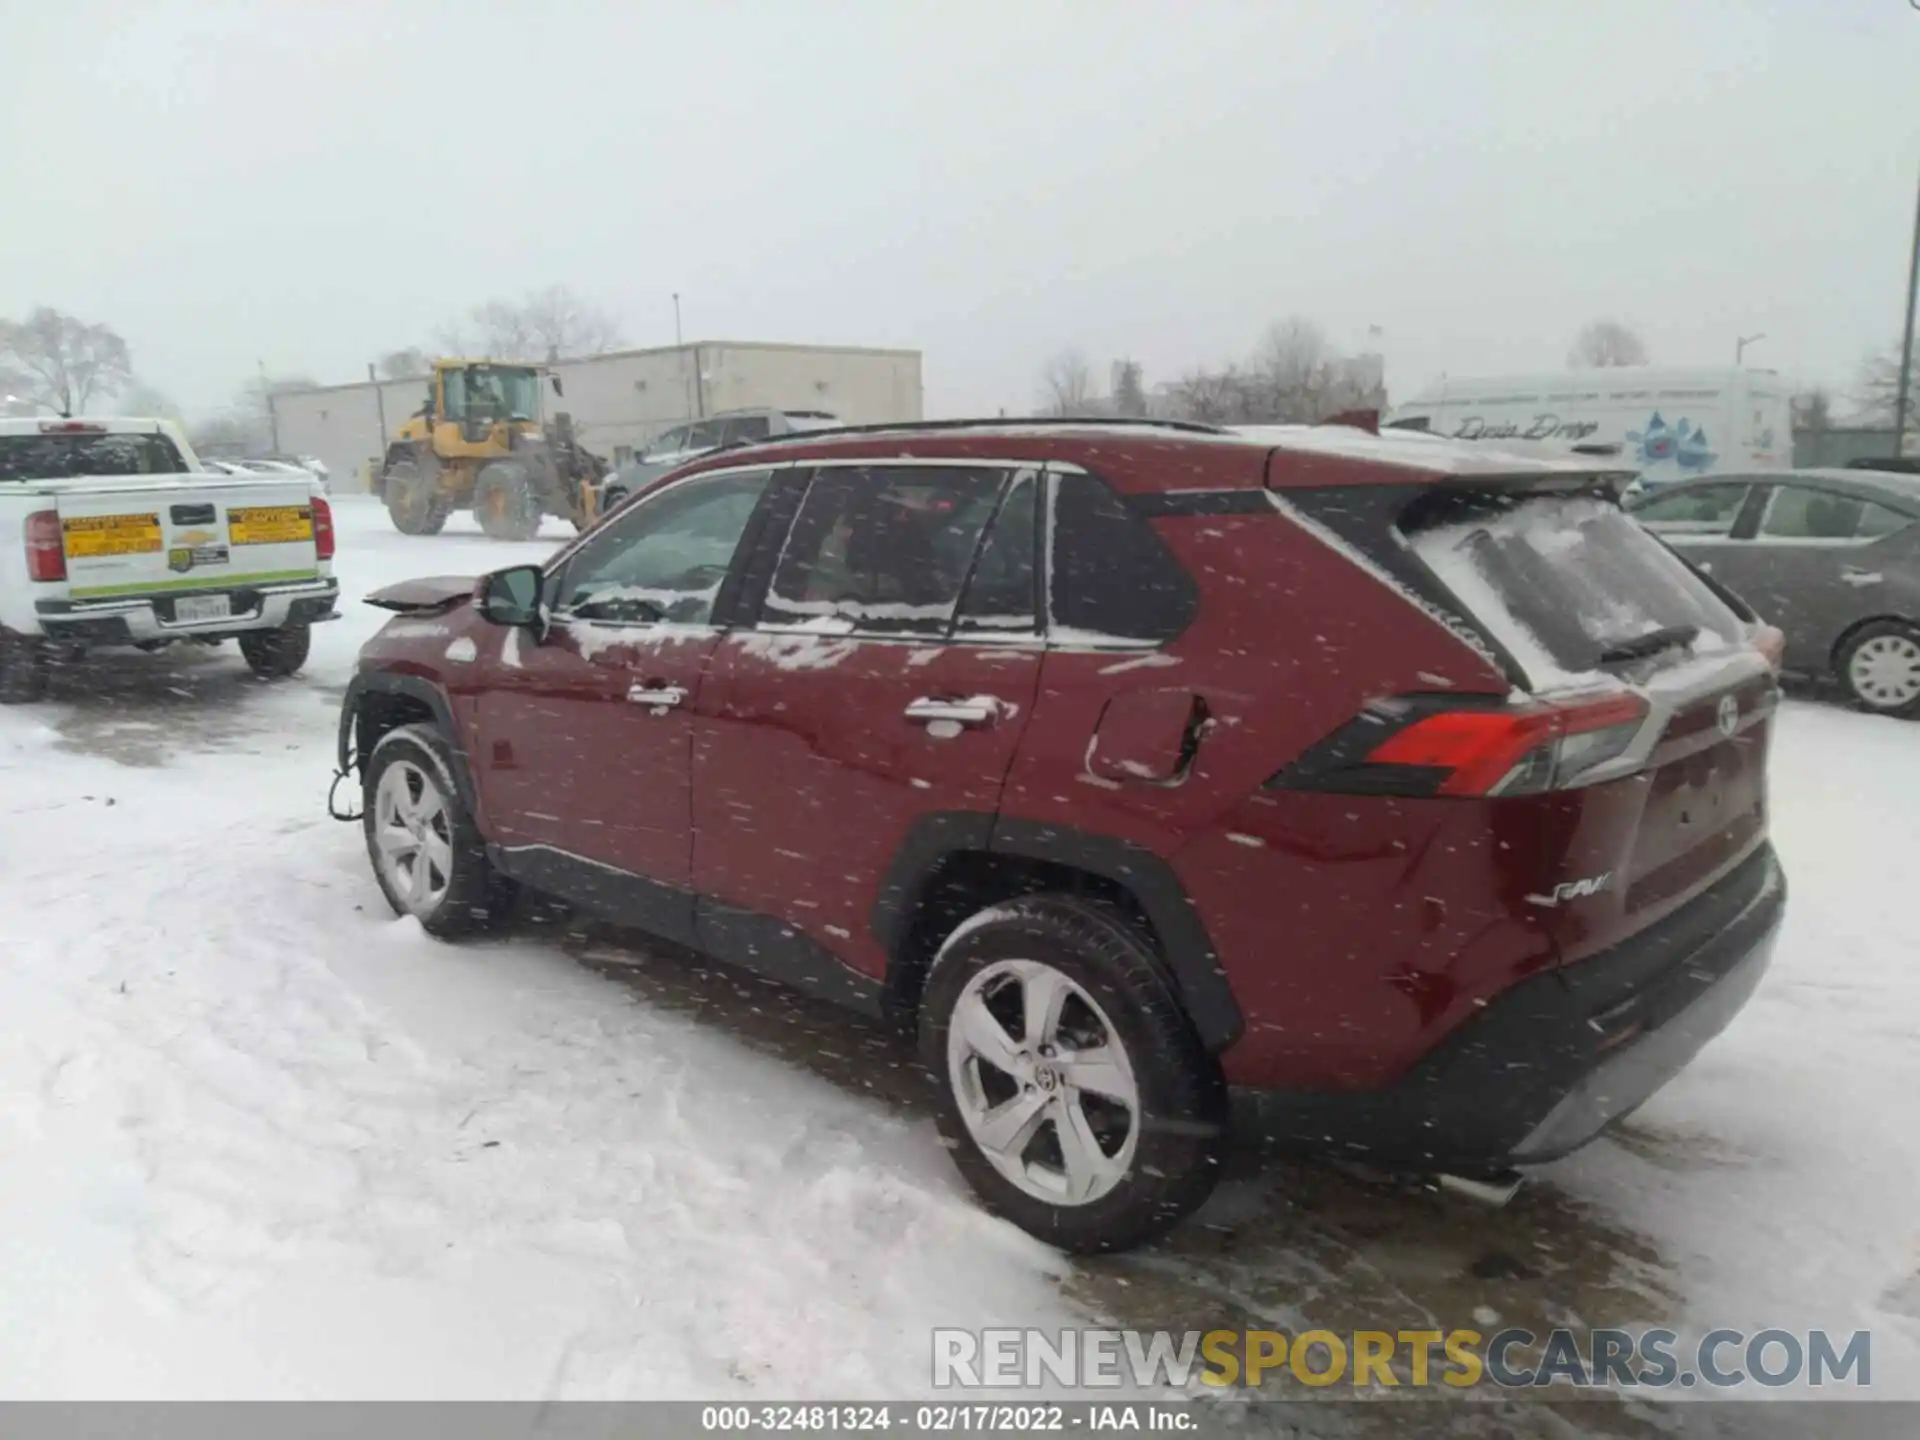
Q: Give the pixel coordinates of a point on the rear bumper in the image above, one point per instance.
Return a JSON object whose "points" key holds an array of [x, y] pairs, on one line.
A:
{"points": [[144, 618], [1554, 1060]]}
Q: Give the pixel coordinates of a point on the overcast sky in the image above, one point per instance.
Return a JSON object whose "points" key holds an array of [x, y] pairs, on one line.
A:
{"points": [[309, 184]]}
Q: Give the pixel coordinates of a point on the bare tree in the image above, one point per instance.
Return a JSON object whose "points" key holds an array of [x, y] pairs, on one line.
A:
{"points": [[1604, 343], [62, 362], [1879, 385], [404, 364], [551, 324], [1129, 393], [142, 399], [1066, 384], [1211, 397], [245, 427]]}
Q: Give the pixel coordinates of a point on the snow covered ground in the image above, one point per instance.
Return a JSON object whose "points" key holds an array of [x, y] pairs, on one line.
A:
{"points": [[258, 1138]]}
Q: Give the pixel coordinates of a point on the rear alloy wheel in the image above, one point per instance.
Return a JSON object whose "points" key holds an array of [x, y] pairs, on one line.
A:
{"points": [[1880, 667], [426, 852], [414, 502], [24, 665], [276, 654], [504, 502], [1074, 1094]]}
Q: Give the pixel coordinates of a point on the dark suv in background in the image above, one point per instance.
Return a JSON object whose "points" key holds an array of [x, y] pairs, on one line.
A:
{"points": [[1411, 793]]}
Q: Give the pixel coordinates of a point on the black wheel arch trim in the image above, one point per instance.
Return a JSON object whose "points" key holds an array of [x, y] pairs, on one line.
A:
{"points": [[412, 687], [1193, 965]]}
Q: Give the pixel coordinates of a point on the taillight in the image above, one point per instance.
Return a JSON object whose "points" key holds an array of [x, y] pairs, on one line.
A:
{"points": [[322, 529], [1427, 746], [1771, 642], [46, 552]]}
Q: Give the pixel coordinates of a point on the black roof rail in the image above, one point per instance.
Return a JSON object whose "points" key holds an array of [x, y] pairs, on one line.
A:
{"points": [[1192, 427]]}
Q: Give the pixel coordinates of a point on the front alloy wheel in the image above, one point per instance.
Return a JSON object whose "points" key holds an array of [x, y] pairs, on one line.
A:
{"points": [[413, 836]]}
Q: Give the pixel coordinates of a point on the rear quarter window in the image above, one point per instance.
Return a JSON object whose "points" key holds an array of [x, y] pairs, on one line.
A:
{"points": [[1113, 577]]}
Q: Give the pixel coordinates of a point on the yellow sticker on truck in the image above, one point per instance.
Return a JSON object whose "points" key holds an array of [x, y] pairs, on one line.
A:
{"points": [[270, 525], [91, 536]]}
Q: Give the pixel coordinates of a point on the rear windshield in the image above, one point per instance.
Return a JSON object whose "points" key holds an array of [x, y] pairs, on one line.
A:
{"points": [[61, 457], [1567, 584]]}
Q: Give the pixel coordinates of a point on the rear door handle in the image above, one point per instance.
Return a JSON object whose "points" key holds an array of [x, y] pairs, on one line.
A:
{"points": [[658, 697], [974, 710]]}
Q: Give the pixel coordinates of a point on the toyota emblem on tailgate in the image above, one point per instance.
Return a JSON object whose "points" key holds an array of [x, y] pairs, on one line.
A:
{"points": [[1728, 716]]}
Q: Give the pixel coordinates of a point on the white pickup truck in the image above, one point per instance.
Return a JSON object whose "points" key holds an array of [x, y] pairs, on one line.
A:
{"points": [[112, 534]]}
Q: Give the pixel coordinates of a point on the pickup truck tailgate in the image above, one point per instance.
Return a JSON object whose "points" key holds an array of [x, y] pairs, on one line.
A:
{"points": [[127, 539]]}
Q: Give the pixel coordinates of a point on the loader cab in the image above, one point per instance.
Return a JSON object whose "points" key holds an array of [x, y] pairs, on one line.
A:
{"points": [[470, 398]]}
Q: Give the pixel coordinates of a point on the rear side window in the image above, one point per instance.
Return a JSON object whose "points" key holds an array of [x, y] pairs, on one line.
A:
{"points": [[1696, 510], [1797, 512], [1567, 584], [60, 457], [1003, 594], [882, 549], [1113, 577]]}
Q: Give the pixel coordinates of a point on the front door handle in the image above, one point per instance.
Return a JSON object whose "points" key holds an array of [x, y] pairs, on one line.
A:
{"points": [[974, 710], [658, 697]]}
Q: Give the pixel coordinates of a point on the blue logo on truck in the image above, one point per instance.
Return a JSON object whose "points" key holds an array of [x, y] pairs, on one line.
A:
{"points": [[1683, 444]]}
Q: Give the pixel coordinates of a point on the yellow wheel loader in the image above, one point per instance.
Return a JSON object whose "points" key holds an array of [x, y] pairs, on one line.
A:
{"points": [[479, 442]]}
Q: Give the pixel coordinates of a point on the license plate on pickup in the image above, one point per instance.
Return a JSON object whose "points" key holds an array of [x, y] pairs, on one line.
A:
{"points": [[194, 609], [270, 525], [91, 536]]}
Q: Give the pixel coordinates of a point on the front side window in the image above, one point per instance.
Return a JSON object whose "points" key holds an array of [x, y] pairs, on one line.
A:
{"points": [[664, 559], [667, 442], [703, 436], [882, 549], [1798, 512], [1696, 510]]}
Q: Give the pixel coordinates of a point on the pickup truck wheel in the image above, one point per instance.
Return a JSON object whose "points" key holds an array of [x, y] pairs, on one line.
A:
{"points": [[504, 502], [427, 853], [414, 502], [1073, 1093], [24, 665], [276, 654]]}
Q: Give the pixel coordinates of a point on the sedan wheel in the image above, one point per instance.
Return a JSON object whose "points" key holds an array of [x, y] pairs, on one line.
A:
{"points": [[1882, 669], [1043, 1082]]}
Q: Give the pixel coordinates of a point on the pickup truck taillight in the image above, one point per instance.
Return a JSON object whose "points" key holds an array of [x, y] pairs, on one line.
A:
{"points": [[322, 529], [46, 553]]}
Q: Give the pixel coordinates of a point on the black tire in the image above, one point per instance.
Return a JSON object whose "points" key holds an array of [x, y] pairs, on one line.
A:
{"points": [[413, 499], [276, 654], [611, 497], [504, 502], [1896, 646], [1181, 1101], [476, 896], [24, 667]]}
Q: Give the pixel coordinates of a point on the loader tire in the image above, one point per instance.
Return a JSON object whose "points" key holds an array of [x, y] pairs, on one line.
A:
{"points": [[415, 503], [504, 502]]}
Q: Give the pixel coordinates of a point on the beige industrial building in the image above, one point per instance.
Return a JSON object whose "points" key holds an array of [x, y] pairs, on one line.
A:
{"points": [[619, 401]]}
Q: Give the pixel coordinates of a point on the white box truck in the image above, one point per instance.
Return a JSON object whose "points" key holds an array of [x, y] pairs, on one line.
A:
{"points": [[1664, 423]]}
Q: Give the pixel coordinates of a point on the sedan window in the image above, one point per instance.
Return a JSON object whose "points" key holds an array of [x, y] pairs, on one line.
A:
{"points": [[1695, 510], [1799, 512]]}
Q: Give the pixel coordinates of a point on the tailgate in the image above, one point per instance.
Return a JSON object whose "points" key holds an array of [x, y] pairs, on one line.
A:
{"points": [[199, 537]]}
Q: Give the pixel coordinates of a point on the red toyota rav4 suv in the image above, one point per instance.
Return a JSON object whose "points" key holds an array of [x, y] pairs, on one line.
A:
{"points": [[1416, 793]]}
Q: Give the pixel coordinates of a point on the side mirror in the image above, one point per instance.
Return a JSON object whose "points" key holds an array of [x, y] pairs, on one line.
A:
{"points": [[554, 380], [512, 597]]}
